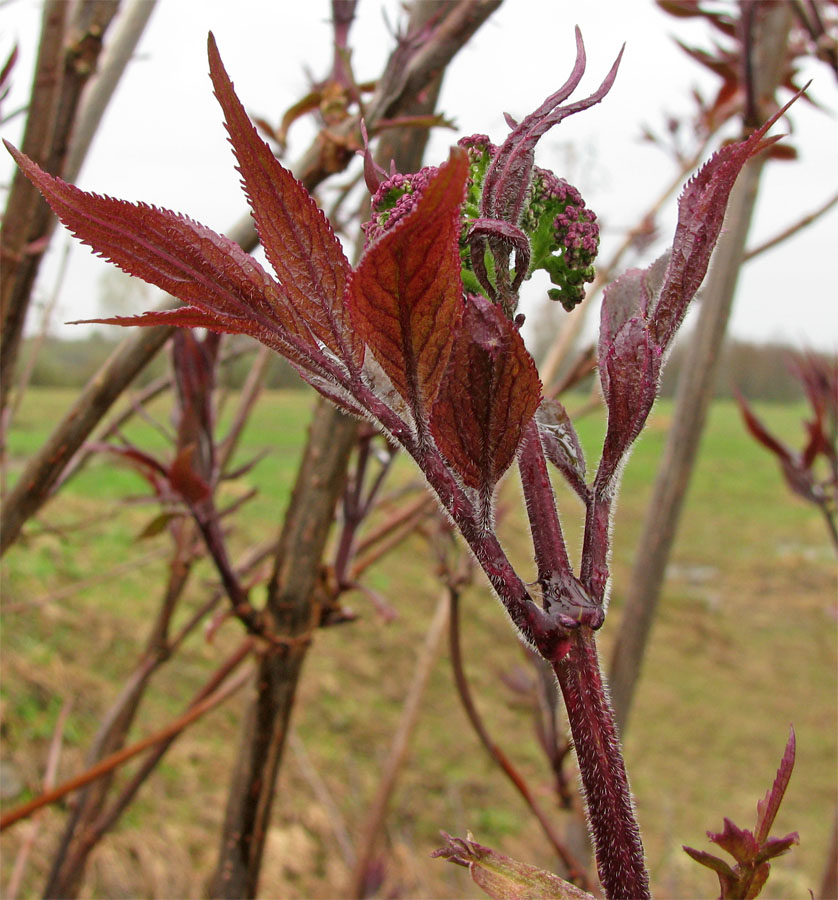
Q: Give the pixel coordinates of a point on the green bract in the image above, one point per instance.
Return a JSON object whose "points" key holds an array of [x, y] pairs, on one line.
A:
{"points": [[563, 232]]}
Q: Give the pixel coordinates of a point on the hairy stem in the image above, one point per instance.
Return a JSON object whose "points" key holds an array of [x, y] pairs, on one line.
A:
{"points": [[619, 850], [548, 542]]}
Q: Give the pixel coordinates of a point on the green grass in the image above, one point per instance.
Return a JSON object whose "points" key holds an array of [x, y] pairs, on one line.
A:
{"points": [[744, 644]]}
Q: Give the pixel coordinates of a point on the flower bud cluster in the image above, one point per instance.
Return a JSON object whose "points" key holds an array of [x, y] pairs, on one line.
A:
{"points": [[563, 232], [564, 236], [395, 198]]}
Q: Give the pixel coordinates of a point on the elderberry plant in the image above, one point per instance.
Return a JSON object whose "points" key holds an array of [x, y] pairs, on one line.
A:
{"points": [[422, 338]]}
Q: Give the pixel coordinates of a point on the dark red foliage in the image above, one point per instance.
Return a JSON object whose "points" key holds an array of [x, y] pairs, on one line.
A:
{"points": [[642, 310], [299, 242], [405, 297], [490, 393], [812, 472], [751, 849], [445, 376]]}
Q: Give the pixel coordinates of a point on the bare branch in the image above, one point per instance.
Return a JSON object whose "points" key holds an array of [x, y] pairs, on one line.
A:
{"points": [[399, 746], [53, 757], [575, 871], [792, 229], [117, 759], [67, 57]]}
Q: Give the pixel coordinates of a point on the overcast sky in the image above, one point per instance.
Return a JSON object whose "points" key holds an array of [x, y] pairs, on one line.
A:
{"points": [[162, 139]]}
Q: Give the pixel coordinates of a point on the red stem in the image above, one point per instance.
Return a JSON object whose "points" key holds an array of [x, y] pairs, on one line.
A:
{"points": [[619, 850], [548, 541]]}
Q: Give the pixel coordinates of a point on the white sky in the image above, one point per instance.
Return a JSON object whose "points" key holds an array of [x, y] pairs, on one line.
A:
{"points": [[162, 140]]}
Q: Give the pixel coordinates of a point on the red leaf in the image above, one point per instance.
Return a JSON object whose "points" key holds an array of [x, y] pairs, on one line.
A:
{"points": [[739, 842], [642, 310], [774, 847], [761, 433], [701, 211], [630, 373], [770, 803], [193, 317], [784, 152], [226, 289], [145, 464], [490, 393], [712, 862], [630, 296], [180, 256], [185, 479], [796, 471], [406, 295], [298, 239]]}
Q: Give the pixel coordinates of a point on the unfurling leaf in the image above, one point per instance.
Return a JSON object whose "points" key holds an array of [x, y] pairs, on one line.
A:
{"points": [[701, 212], [298, 239], [762, 434], [770, 803], [751, 850], [642, 310], [632, 295], [503, 878], [739, 842], [490, 392], [712, 862], [797, 473], [405, 296], [561, 444], [631, 368]]}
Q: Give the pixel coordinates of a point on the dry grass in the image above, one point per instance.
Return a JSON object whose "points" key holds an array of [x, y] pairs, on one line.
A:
{"points": [[745, 643]]}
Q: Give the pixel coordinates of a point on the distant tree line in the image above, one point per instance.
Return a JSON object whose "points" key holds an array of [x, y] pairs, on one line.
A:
{"points": [[759, 371]]}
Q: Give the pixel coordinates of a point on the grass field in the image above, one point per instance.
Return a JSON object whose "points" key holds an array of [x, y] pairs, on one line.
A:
{"points": [[745, 643]]}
